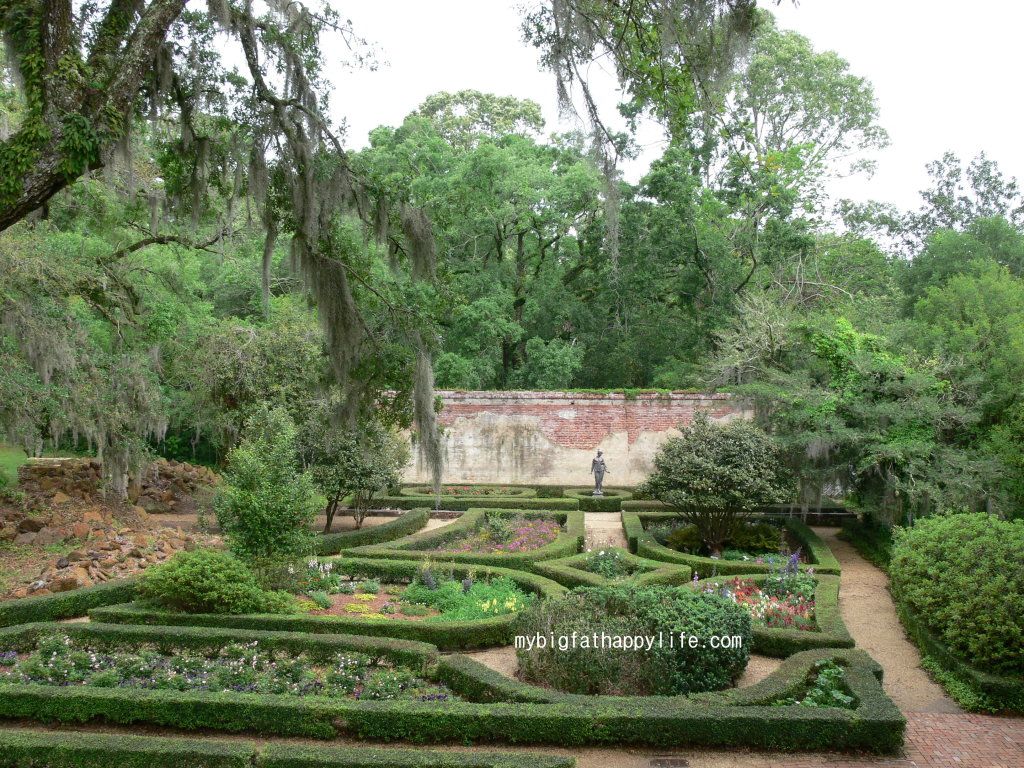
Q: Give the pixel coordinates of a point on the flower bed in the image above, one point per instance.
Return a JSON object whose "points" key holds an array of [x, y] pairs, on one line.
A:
{"points": [[772, 608], [471, 491], [817, 553], [585, 570], [58, 660], [503, 534], [426, 544]]}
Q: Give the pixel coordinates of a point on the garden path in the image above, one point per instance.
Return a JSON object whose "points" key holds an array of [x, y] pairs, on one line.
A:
{"points": [[604, 529], [869, 612]]}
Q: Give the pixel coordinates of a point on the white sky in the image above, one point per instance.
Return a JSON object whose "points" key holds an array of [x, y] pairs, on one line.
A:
{"points": [[946, 74]]}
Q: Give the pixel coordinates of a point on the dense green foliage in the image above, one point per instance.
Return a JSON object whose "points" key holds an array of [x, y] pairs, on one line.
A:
{"points": [[265, 505], [208, 581], [961, 576], [671, 667], [715, 474]]}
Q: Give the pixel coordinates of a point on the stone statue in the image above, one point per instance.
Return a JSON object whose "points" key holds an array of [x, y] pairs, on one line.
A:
{"points": [[597, 469]]}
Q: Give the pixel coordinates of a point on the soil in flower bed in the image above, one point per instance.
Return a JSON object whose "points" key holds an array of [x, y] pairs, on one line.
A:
{"points": [[239, 668], [366, 607], [505, 534]]}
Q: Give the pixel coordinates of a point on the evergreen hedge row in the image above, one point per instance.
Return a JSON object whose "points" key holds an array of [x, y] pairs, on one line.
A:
{"points": [[65, 605], [418, 546], [737, 717], [513, 491], [167, 639], [464, 503], [447, 635], [571, 571], [644, 544], [35, 749], [832, 631], [611, 501], [410, 522], [998, 692]]}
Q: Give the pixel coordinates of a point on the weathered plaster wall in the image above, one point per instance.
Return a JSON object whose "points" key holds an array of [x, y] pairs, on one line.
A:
{"points": [[551, 437]]}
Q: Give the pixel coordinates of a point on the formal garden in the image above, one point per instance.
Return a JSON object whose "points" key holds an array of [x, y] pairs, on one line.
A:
{"points": [[300, 381]]}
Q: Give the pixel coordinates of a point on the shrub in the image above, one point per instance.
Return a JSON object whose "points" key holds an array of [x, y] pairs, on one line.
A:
{"points": [[715, 474], [322, 599], [757, 537], [265, 504], [208, 581], [371, 586], [584, 663], [685, 539], [960, 575]]}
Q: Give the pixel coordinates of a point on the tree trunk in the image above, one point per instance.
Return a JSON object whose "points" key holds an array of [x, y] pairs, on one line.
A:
{"points": [[332, 507]]}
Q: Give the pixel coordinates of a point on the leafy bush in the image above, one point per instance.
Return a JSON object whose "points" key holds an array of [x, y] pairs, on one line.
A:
{"points": [[961, 575], [685, 539], [609, 563], [265, 504], [208, 581], [757, 537], [669, 667], [827, 689], [322, 599], [371, 586], [483, 599], [714, 474]]}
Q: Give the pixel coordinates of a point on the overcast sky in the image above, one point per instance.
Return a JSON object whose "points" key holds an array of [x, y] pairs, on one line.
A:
{"points": [[946, 74]]}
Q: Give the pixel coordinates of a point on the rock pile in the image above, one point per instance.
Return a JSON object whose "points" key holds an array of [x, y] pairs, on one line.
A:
{"points": [[163, 487], [106, 548]]}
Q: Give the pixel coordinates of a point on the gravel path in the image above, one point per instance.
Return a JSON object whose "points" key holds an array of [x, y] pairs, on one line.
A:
{"points": [[604, 529], [870, 614]]}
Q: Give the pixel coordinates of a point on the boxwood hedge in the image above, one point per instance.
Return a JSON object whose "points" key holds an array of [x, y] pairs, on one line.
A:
{"points": [[644, 544], [832, 632], [463, 503], [611, 501], [418, 546], [448, 635], [571, 571], [65, 605], [101, 750], [403, 525], [167, 639], [996, 692], [736, 717]]}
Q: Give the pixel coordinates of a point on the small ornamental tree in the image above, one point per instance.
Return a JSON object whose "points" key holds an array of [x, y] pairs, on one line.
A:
{"points": [[266, 505], [359, 462], [714, 475]]}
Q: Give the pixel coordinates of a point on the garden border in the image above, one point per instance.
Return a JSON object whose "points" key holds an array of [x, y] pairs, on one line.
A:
{"points": [[411, 547], [643, 544], [735, 717], [565, 572], [102, 750], [66, 605], [418, 656], [464, 504], [781, 643], [1001, 692], [403, 525], [448, 635], [606, 503]]}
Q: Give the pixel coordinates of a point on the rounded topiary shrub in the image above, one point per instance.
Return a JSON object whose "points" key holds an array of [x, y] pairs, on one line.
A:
{"points": [[589, 641], [210, 581], [961, 576]]}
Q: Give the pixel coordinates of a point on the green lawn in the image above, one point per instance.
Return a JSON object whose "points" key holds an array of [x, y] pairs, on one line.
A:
{"points": [[10, 459]]}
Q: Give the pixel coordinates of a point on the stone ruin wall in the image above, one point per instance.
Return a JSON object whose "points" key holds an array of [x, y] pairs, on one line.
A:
{"points": [[549, 438]]}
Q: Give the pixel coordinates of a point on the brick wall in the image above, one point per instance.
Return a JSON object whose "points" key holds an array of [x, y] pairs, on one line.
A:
{"points": [[551, 437]]}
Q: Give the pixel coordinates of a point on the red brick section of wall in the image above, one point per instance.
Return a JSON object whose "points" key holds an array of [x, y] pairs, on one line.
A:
{"points": [[578, 420]]}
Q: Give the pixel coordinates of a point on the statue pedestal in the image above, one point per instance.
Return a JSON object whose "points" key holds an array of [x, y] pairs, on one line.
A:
{"points": [[597, 493]]}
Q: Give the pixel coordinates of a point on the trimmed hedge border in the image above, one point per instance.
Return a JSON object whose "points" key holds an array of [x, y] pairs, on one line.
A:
{"points": [[292, 756], [65, 605], [781, 643], [515, 491], [447, 635], [735, 717], [416, 547], [569, 572], [1003, 693], [643, 544], [101, 750], [420, 657], [463, 504], [611, 502], [403, 525]]}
